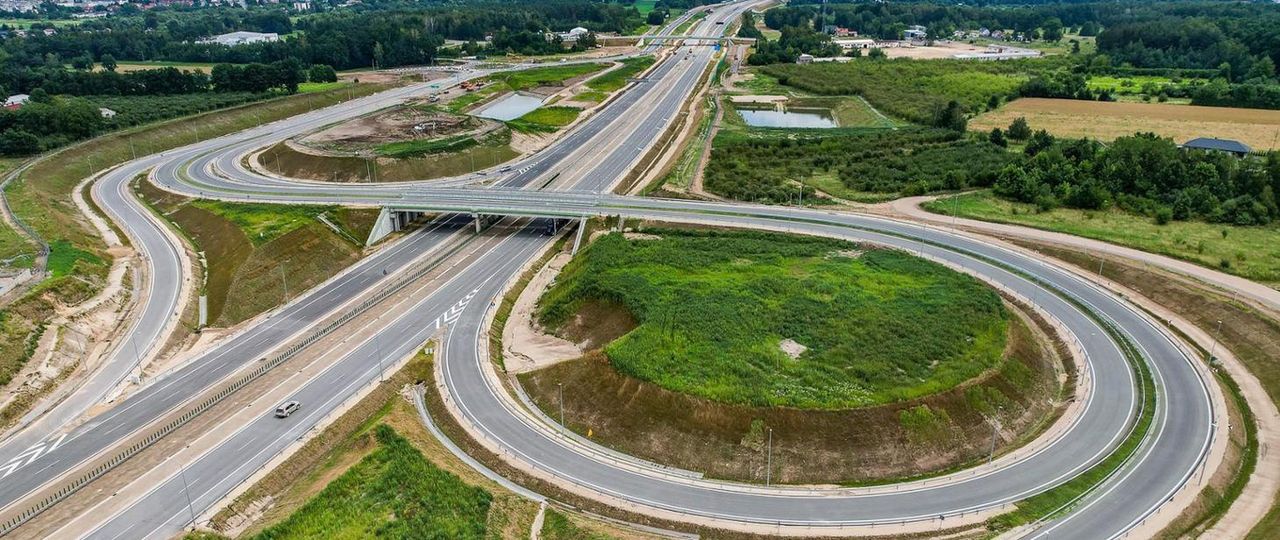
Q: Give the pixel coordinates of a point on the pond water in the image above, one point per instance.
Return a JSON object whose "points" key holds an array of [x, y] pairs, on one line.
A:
{"points": [[510, 107], [791, 117]]}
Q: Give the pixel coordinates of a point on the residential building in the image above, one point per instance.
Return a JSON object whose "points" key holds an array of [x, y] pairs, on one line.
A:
{"points": [[242, 38], [16, 101], [804, 59], [1210, 144]]}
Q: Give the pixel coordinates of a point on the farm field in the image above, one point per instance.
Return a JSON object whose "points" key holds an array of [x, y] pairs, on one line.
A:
{"points": [[1250, 252], [123, 67], [751, 318], [1260, 129]]}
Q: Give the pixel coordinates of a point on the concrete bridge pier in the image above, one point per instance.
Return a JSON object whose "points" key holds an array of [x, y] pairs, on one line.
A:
{"points": [[390, 221], [577, 240]]}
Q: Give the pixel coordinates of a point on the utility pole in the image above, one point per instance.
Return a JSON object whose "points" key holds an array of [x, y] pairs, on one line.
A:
{"points": [[1101, 261], [560, 389], [768, 460]]}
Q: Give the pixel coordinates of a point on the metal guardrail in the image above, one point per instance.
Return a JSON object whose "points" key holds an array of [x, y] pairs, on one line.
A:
{"points": [[244, 380]]}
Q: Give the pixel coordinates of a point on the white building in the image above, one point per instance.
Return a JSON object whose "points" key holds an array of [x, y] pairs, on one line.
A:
{"points": [[804, 59], [850, 44], [915, 32], [242, 38], [570, 36], [106, 113]]}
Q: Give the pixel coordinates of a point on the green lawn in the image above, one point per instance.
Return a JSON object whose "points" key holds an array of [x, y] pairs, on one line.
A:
{"points": [[309, 87], [912, 89], [613, 80], [394, 492], [1250, 252], [545, 119], [644, 6], [544, 76], [419, 147], [262, 222], [26, 23], [714, 307]]}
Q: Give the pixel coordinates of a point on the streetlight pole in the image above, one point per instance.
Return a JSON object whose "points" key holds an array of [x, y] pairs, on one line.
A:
{"points": [[560, 389], [285, 281], [1214, 348], [186, 490], [768, 460], [995, 422]]}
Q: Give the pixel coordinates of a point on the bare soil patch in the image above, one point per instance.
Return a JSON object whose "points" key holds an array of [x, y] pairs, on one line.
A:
{"points": [[912, 438], [393, 125], [1108, 120]]}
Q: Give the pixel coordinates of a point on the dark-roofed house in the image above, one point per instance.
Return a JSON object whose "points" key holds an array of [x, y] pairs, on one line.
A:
{"points": [[1229, 146]]}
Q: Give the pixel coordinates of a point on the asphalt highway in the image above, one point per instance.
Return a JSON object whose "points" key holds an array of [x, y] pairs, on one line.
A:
{"points": [[596, 154]]}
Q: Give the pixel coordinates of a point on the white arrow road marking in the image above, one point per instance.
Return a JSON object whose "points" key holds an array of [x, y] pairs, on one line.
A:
{"points": [[454, 312], [31, 454]]}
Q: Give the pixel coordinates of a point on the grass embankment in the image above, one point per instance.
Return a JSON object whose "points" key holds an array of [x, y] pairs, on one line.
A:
{"points": [[616, 79], [715, 310], [411, 160], [555, 75], [255, 251], [42, 198], [545, 119], [909, 439], [15, 250], [393, 492], [1107, 120], [1250, 252], [1254, 339]]}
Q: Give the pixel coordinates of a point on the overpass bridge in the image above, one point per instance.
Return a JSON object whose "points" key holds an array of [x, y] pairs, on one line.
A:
{"points": [[697, 39]]}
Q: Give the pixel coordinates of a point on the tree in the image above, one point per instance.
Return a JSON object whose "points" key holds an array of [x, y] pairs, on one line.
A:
{"points": [[1019, 130], [39, 95], [997, 138], [1053, 29], [1089, 29], [951, 117], [656, 17], [320, 73], [108, 62], [1039, 142], [83, 62], [876, 53], [17, 142]]}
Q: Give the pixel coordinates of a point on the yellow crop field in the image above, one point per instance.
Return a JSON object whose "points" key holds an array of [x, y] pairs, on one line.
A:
{"points": [[1260, 129]]}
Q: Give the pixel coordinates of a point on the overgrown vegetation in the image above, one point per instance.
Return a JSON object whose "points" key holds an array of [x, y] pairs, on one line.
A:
{"points": [[911, 89], [761, 166], [394, 492], [714, 307], [1146, 174]]}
